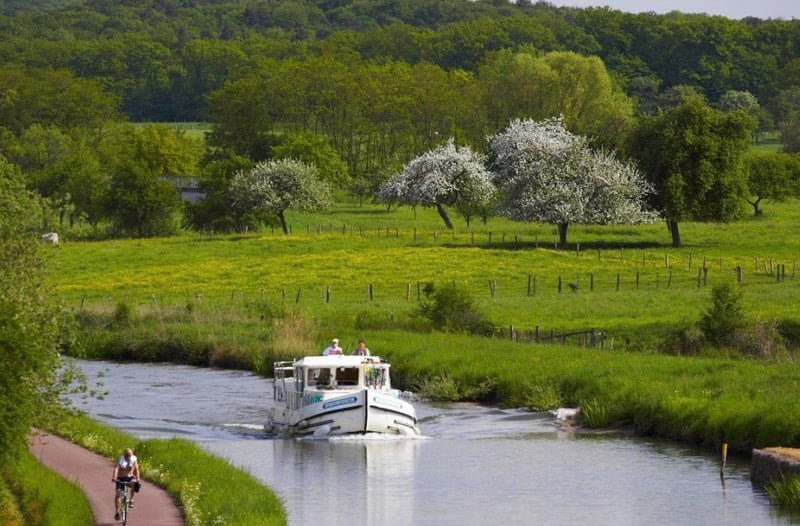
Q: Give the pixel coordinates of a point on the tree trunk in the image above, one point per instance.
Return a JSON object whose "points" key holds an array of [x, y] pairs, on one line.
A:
{"points": [[755, 206], [562, 235], [676, 235], [444, 216], [283, 222]]}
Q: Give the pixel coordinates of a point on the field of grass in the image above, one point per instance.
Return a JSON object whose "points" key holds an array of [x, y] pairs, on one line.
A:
{"points": [[41, 496], [769, 143], [207, 489], [228, 273], [196, 130]]}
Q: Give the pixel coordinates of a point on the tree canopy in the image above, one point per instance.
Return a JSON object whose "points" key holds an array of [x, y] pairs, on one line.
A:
{"points": [[445, 176], [692, 155], [545, 173], [279, 185]]}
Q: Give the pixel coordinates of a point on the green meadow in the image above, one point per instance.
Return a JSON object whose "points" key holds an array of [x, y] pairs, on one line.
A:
{"points": [[326, 266]]}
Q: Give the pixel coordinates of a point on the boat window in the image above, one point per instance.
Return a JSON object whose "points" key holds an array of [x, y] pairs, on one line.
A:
{"points": [[347, 376], [376, 377], [319, 377]]}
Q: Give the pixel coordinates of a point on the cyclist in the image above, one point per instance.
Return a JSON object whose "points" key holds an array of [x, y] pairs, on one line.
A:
{"points": [[125, 470]]}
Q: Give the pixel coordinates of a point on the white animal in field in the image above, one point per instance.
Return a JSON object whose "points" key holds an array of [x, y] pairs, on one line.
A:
{"points": [[51, 238]]}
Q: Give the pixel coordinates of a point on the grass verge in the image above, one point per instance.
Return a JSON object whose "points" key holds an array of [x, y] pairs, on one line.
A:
{"points": [[208, 489], [34, 494], [786, 493]]}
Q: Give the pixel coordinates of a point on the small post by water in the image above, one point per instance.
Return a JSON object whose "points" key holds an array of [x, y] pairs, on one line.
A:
{"points": [[724, 459]]}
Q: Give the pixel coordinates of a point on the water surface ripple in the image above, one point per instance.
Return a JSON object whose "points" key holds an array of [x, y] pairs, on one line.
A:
{"points": [[476, 465]]}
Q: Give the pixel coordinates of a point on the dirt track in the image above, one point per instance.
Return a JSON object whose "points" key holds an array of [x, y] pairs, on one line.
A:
{"points": [[154, 507]]}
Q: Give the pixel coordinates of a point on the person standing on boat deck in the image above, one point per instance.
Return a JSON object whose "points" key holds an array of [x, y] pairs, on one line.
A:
{"points": [[361, 350], [333, 348]]}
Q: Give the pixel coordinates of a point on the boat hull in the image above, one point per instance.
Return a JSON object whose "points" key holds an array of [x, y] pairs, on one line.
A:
{"points": [[363, 411]]}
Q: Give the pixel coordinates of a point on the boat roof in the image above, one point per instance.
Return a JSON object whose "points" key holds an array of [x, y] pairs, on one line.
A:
{"points": [[336, 360]]}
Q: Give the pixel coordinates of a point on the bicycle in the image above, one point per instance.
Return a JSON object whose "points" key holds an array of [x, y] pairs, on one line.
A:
{"points": [[125, 504]]}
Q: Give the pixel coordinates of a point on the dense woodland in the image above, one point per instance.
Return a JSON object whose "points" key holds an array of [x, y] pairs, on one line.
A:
{"points": [[361, 88]]}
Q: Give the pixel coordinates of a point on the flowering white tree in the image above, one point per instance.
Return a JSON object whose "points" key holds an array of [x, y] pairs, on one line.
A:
{"points": [[277, 186], [445, 176], [545, 173]]}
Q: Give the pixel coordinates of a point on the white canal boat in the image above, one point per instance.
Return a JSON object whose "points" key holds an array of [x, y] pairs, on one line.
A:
{"points": [[337, 395]]}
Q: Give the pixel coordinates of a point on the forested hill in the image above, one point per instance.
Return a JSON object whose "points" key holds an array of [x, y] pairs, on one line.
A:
{"points": [[163, 58]]}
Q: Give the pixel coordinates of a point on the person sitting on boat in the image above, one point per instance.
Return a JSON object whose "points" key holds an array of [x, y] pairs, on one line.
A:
{"points": [[361, 350], [333, 348]]}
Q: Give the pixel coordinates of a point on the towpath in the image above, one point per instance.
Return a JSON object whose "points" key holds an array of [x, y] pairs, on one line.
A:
{"points": [[92, 472]]}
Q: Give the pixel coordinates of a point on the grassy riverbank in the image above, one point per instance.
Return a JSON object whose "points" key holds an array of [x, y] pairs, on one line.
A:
{"points": [[33, 494], [208, 489]]}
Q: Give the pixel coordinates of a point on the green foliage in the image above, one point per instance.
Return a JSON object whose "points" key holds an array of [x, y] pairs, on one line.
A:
{"points": [[29, 324], [314, 149], [52, 97], [451, 308], [771, 176], [790, 134], [578, 88], [214, 212], [692, 155], [724, 316], [685, 339]]}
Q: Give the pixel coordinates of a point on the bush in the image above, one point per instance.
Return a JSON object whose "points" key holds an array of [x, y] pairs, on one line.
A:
{"points": [[686, 339], [725, 315], [451, 308], [762, 340], [123, 314]]}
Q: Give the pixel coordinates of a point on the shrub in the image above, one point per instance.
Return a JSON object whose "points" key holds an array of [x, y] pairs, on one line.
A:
{"points": [[762, 339], [725, 315], [685, 339], [451, 308], [123, 314]]}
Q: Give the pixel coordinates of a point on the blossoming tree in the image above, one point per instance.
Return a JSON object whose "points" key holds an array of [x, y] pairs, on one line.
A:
{"points": [[545, 173], [279, 185], [444, 176]]}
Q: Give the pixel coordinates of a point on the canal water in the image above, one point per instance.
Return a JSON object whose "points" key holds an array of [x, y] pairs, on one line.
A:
{"points": [[474, 466]]}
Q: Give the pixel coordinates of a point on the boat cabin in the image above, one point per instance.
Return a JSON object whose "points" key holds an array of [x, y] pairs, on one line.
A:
{"points": [[320, 374]]}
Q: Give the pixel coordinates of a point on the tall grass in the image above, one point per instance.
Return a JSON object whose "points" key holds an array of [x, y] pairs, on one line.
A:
{"points": [[44, 497], [746, 402], [208, 489], [786, 492]]}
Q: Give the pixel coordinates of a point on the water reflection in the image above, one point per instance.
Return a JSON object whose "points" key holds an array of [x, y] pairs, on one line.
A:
{"points": [[478, 465]]}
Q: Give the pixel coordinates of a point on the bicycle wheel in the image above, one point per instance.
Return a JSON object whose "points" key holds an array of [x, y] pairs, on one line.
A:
{"points": [[125, 508]]}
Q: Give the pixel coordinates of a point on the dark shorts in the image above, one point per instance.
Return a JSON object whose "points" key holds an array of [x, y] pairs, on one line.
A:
{"points": [[123, 479]]}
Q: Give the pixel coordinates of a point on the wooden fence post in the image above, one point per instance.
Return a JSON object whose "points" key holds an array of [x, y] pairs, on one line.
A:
{"points": [[591, 281], [690, 261], [559, 284], [408, 291], [536, 334], [739, 275], [529, 284], [370, 292], [297, 298], [534, 285], [490, 237]]}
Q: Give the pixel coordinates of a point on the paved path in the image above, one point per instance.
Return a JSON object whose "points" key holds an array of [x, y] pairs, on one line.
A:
{"points": [[92, 472]]}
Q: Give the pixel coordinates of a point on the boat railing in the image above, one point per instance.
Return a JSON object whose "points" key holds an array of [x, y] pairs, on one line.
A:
{"points": [[281, 368], [294, 400]]}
